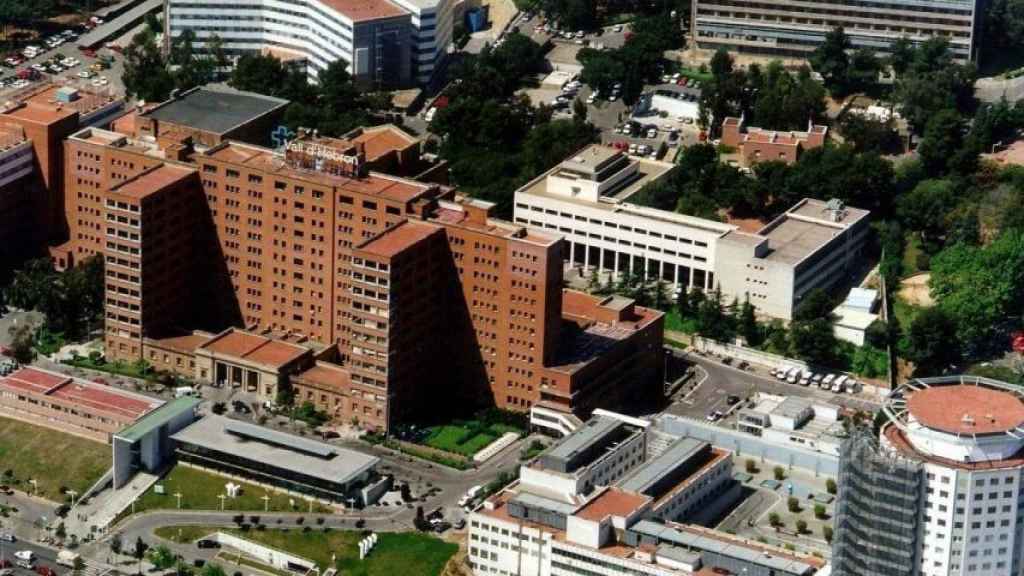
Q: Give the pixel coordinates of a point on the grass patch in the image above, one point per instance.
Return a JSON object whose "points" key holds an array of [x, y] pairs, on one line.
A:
{"points": [[904, 311], [676, 323], [236, 560], [52, 458], [199, 490], [466, 438], [405, 554], [676, 343], [184, 534], [911, 253]]}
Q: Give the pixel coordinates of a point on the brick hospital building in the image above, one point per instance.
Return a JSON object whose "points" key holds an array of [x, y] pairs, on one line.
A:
{"points": [[408, 294]]}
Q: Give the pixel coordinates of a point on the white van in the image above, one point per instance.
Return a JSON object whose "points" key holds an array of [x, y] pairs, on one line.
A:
{"points": [[182, 391], [429, 116], [826, 382], [838, 385], [805, 378], [24, 559], [793, 376], [470, 494]]}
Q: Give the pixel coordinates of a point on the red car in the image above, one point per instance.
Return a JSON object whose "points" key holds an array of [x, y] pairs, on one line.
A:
{"points": [[45, 571], [4, 563]]}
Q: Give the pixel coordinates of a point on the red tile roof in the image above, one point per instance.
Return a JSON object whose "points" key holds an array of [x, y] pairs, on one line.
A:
{"points": [[96, 398], [254, 348], [153, 181]]}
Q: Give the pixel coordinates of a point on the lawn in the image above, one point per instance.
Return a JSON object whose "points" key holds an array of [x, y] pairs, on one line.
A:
{"points": [[52, 458], [405, 554], [466, 438], [910, 255], [676, 323], [199, 490], [904, 311]]}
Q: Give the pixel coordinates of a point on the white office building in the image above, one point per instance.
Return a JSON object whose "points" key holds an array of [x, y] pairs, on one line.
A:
{"points": [[626, 517], [588, 199], [385, 43], [939, 492]]}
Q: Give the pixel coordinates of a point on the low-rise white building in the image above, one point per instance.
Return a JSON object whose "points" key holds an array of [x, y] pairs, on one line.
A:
{"points": [[587, 199], [794, 421]]}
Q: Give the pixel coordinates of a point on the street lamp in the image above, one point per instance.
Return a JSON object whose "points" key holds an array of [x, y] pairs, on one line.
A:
{"points": [[266, 503], [178, 496], [35, 486], [222, 498], [73, 494]]}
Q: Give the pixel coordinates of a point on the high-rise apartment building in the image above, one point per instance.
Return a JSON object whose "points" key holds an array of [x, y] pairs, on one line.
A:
{"points": [[941, 490], [392, 278], [794, 28], [384, 42]]}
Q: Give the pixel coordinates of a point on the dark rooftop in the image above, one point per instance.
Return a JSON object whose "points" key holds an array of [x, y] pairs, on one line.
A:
{"points": [[214, 110]]}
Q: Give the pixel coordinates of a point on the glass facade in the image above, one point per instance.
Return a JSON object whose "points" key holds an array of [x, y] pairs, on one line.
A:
{"points": [[877, 516]]}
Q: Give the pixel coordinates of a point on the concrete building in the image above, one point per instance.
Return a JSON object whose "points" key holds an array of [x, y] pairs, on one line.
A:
{"points": [[793, 421], [70, 405], [611, 498], [587, 200], [146, 445], [324, 261], [268, 456], [793, 29], [813, 245], [939, 491], [33, 125], [759, 145], [383, 43]]}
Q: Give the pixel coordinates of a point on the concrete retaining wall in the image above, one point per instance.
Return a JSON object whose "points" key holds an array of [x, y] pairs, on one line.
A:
{"points": [[269, 556], [745, 445]]}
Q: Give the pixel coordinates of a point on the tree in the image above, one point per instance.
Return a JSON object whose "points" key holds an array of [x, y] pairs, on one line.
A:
{"points": [[816, 304], [774, 520], [826, 533], [819, 511], [801, 526], [683, 301], [830, 59], [145, 71], [877, 334], [750, 466], [22, 338], [1004, 23], [749, 329], [869, 135], [793, 504], [779, 472], [813, 341], [115, 544], [162, 557], [933, 83], [901, 54], [863, 72], [601, 69], [579, 110], [929, 342], [925, 208], [943, 147]]}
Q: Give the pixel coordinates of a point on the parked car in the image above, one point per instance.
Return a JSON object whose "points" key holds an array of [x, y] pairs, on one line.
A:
{"points": [[207, 543], [826, 382], [732, 400], [7, 537], [45, 571]]}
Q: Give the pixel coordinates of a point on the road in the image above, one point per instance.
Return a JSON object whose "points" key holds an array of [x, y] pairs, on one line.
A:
{"points": [[723, 381]]}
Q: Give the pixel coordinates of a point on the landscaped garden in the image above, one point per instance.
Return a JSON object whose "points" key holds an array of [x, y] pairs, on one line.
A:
{"points": [[466, 438], [201, 490], [53, 459], [405, 553]]}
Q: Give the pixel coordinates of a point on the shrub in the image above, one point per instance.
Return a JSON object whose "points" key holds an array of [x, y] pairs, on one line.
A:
{"points": [[826, 532], [819, 511], [780, 473], [830, 485], [751, 466], [774, 520], [793, 504], [801, 526]]}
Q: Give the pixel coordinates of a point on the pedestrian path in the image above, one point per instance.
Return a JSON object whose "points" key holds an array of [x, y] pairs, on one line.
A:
{"points": [[101, 510]]}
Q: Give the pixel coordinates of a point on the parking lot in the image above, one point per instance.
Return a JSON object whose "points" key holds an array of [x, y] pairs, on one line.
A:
{"points": [[61, 62], [716, 383]]}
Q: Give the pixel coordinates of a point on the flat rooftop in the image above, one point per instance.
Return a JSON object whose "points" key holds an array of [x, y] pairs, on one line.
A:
{"points": [[455, 214], [153, 181], [158, 417], [792, 407], [801, 231], [383, 186], [593, 432], [400, 238], [254, 348], [966, 409], [39, 103], [612, 502], [364, 10], [591, 159], [654, 470], [276, 450], [93, 397], [215, 111]]}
